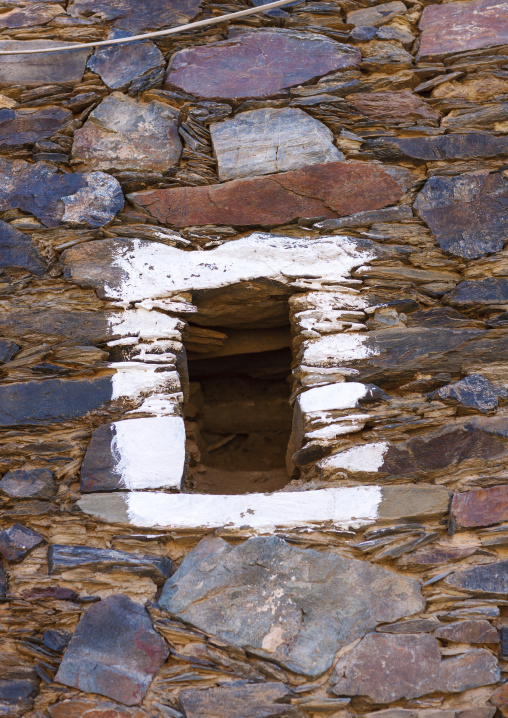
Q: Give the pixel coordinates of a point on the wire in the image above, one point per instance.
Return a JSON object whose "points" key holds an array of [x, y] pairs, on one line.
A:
{"points": [[157, 33]]}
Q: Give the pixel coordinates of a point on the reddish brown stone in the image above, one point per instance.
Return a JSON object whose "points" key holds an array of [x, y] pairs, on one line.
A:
{"points": [[436, 556], [462, 26], [477, 667], [332, 189], [472, 631], [393, 107], [257, 64], [94, 709], [483, 507], [500, 697]]}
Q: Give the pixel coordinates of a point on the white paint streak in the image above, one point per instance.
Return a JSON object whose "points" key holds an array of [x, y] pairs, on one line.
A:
{"points": [[133, 380], [155, 270], [344, 395], [365, 458], [145, 324], [349, 507], [335, 349], [348, 425], [150, 452], [160, 405]]}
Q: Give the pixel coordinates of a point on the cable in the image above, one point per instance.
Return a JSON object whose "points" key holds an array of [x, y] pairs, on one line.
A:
{"points": [[157, 33]]}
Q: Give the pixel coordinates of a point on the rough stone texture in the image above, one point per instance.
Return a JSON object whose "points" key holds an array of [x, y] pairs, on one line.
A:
{"points": [[17, 541], [362, 219], [26, 126], [19, 251], [462, 26], [377, 15], [257, 64], [471, 631], [332, 189], [7, 350], [143, 15], [17, 695], [466, 213], [491, 290], [269, 140], [78, 199], [389, 667], [43, 69], [247, 596], [483, 507], [29, 484], [93, 709], [393, 107], [114, 651], [126, 134], [67, 558], [254, 700], [474, 392], [119, 65], [467, 146], [35, 15], [490, 579]]}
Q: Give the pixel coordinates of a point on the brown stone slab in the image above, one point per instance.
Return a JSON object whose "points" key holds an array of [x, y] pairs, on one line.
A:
{"points": [[332, 189], [393, 107], [462, 26], [483, 507]]}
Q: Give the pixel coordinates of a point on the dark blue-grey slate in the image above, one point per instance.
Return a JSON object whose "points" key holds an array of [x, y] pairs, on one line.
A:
{"points": [[19, 251]]}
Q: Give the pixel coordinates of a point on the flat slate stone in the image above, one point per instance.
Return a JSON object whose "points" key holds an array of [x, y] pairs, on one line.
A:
{"points": [[387, 667], [25, 126], [467, 213], [17, 542], [17, 695], [376, 15], [482, 507], [332, 189], [127, 134], [250, 700], [29, 484], [90, 199], [33, 14], [367, 218], [259, 142], [258, 63], [473, 145], [473, 392], [435, 556], [41, 69], [19, 251], [4, 583], [469, 631], [114, 651], [145, 453], [140, 16], [67, 558], [462, 26], [486, 580], [119, 65], [83, 708], [255, 595], [393, 107], [491, 290], [7, 350]]}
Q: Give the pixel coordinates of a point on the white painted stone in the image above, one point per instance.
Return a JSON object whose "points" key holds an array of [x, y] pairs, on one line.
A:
{"points": [[161, 405], [150, 271], [363, 458], [335, 349], [260, 142], [150, 452], [349, 507], [134, 380], [345, 395], [333, 429], [145, 324]]}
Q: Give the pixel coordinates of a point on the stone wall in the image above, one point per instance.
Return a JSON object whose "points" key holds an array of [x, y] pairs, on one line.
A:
{"points": [[329, 179]]}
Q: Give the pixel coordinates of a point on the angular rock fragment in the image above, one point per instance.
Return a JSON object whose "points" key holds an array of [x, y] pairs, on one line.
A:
{"points": [[114, 651], [474, 392], [17, 694], [17, 542], [467, 146], [258, 63], [56, 640], [250, 700], [377, 15], [94, 709], [33, 14], [269, 140], [7, 350], [486, 580], [362, 219], [476, 667], [19, 251], [393, 107], [4, 583], [471, 631], [467, 213], [28, 125], [135, 454], [67, 558], [491, 290], [333, 189], [90, 199], [461, 27], [435, 556], [483, 507], [143, 15], [29, 484], [44, 68], [379, 56], [127, 134], [119, 65], [253, 596]]}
